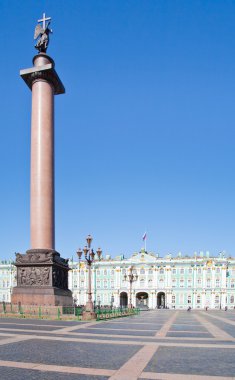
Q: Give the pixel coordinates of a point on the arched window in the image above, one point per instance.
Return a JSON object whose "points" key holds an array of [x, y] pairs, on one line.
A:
{"points": [[161, 271]]}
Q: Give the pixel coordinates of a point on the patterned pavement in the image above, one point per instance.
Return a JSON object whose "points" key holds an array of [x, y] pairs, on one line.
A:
{"points": [[160, 344]]}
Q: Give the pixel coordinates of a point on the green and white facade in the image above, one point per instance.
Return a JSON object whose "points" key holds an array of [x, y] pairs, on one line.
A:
{"points": [[200, 281], [173, 282]]}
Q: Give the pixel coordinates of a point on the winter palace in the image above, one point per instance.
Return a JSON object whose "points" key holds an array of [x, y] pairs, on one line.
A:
{"points": [[148, 281]]}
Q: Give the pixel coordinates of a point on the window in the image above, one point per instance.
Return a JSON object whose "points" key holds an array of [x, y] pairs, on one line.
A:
{"points": [[189, 283], [208, 283], [112, 284], [181, 283], [98, 284], [105, 272], [112, 272], [232, 284], [217, 299], [189, 299], [82, 284], [198, 299], [173, 299], [190, 271], [150, 282], [142, 281], [142, 271], [124, 271], [174, 271], [217, 282], [199, 271], [105, 284], [217, 270], [82, 272], [232, 299], [161, 271], [181, 270], [98, 272], [208, 270], [199, 281], [150, 271], [173, 283]]}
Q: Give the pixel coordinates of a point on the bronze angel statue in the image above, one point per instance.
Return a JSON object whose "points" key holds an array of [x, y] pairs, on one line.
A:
{"points": [[43, 41]]}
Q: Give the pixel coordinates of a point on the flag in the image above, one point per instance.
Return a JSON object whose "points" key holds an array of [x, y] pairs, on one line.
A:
{"points": [[144, 236]]}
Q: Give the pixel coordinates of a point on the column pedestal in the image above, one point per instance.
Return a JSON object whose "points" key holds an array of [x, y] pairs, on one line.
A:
{"points": [[42, 279]]}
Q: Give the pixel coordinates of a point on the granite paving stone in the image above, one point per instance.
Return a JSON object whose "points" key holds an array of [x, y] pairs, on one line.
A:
{"points": [[197, 361], [7, 373], [191, 335], [187, 327], [117, 332], [28, 327], [76, 354], [57, 323]]}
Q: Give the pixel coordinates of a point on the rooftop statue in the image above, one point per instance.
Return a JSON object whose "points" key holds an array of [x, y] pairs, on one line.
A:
{"points": [[43, 32]]}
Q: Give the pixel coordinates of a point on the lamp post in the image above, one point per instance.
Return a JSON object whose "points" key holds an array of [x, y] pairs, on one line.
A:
{"points": [[131, 277], [89, 257], [112, 301]]}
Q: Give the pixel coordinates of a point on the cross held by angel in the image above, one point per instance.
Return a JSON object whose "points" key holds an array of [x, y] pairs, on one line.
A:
{"points": [[43, 32]]}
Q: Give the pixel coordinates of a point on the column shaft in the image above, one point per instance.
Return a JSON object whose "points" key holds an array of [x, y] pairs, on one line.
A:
{"points": [[42, 166]]}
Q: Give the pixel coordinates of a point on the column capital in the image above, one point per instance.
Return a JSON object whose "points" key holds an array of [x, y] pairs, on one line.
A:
{"points": [[43, 72]]}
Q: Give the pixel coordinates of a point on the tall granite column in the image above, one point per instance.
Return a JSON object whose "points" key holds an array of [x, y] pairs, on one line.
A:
{"points": [[42, 160], [42, 275]]}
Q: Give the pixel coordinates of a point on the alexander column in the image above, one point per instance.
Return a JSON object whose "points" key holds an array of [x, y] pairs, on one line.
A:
{"points": [[42, 275]]}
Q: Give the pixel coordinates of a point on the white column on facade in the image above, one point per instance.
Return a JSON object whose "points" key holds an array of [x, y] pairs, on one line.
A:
{"points": [[204, 277], [203, 298]]}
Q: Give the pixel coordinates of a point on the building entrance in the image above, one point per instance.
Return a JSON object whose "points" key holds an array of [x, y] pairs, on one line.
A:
{"points": [[161, 300], [142, 300], [123, 299]]}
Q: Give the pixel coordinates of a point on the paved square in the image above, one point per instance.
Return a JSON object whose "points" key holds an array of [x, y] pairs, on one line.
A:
{"points": [[159, 344]]}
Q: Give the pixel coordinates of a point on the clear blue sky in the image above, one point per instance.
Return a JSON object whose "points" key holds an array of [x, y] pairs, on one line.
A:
{"points": [[144, 134]]}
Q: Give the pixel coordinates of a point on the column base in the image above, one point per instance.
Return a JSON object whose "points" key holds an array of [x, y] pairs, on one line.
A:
{"points": [[47, 296]]}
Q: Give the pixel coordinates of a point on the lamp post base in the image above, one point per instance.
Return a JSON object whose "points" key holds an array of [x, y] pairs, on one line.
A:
{"points": [[88, 315]]}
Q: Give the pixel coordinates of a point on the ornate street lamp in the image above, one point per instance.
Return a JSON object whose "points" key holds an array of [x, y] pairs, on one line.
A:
{"points": [[112, 301], [131, 277], [89, 257]]}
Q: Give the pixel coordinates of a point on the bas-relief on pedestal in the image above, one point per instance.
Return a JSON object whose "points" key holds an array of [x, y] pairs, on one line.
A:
{"points": [[42, 275], [42, 278]]}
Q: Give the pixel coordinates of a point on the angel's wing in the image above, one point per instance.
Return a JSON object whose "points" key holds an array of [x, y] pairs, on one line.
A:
{"points": [[38, 30]]}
